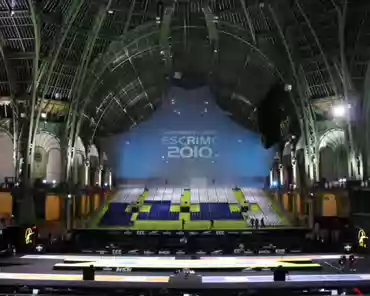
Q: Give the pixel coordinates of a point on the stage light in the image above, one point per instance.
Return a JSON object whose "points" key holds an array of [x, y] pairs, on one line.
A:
{"points": [[288, 87], [44, 181], [347, 248], [39, 248], [274, 183], [54, 182], [339, 111]]}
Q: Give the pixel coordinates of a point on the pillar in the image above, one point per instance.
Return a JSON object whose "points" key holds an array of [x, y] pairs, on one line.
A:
{"points": [[100, 175], [281, 174], [271, 178], [69, 212], [293, 159], [110, 179], [107, 176], [311, 213], [87, 173]]}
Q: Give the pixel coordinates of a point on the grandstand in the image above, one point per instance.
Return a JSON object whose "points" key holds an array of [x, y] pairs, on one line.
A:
{"points": [[261, 206], [167, 207]]}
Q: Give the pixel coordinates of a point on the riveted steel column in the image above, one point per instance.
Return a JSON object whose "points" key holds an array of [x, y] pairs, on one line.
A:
{"points": [[164, 35], [26, 205], [354, 157], [49, 69], [77, 94], [366, 124], [293, 159], [309, 129]]}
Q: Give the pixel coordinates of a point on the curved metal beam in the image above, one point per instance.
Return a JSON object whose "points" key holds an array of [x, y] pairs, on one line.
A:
{"points": [[308, 124], [81, 74]]}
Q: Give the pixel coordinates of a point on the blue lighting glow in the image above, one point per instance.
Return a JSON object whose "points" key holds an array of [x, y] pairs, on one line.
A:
{"points": [[192, 144]]}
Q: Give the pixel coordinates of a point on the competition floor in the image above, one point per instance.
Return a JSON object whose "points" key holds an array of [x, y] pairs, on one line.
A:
{"points": [[45, 269]]}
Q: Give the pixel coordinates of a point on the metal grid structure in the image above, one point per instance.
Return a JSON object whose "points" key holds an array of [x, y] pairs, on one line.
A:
{"points": [[101, 67]]}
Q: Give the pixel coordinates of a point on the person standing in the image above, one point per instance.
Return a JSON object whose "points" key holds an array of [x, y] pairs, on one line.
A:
{"points": [[262, 222], [351, 262], [342, 263], [212, 224]]}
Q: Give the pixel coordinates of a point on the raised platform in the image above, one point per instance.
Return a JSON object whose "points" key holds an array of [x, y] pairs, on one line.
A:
{"points": [[37, 271], [171, 264], [261, 241]]}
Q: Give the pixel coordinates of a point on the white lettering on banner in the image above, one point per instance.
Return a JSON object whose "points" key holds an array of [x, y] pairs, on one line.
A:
{"points": [[116, 252], [188, 140], [194, 145], [189, 152], [123, 269], [280, 251]]}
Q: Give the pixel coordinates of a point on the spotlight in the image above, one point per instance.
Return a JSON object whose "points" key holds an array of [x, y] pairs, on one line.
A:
{"points": [[347, 248], [339, 111], [39, 248], [288, 87]]}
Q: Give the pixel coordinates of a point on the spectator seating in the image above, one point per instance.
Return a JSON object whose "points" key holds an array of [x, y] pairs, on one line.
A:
{"points": [[128, 195], [116, 215], [215, 211], [220, 204], [212, 195], [165, 194], [159, 211], [257, 196]]}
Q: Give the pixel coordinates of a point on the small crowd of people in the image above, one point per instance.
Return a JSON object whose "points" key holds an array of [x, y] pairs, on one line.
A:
{"points": [[347, 263], [257, 223]]}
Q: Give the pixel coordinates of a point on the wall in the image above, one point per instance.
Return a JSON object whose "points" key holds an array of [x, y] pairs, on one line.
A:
{"points": [[6, 156], [40, 163], [190, 141]]}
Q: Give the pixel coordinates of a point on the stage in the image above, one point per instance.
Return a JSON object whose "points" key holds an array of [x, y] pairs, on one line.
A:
{"points": [[229, 272]]}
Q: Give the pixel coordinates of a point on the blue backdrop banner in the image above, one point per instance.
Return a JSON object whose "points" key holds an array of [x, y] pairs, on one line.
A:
{"points": [[189, 140]]}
